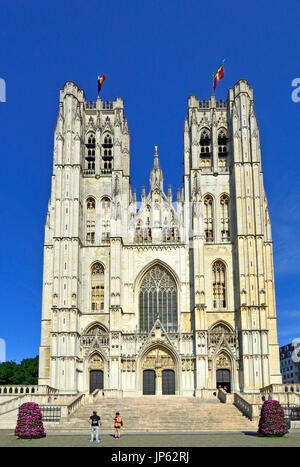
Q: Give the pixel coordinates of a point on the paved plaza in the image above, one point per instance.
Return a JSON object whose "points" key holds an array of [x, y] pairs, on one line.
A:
{"points": [[224, 439]]}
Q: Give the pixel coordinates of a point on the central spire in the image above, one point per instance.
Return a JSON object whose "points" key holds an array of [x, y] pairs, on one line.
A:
{"points": [[156, 175]]}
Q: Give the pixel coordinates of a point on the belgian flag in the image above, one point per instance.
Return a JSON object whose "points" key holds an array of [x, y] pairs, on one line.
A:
{"points": [[100, 82]]}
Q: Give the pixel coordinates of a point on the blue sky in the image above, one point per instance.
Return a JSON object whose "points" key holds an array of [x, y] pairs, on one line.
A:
{"points": [[154, 54]]}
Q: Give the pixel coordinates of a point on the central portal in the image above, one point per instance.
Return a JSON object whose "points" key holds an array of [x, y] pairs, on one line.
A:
{"points": [[159, 375]]}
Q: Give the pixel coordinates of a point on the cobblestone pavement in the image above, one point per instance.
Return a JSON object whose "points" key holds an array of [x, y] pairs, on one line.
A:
{"points": [[232, 439]]}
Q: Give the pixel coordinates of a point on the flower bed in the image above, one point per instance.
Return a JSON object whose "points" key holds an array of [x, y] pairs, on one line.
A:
{"points": [[30, 422], [272, 421]]}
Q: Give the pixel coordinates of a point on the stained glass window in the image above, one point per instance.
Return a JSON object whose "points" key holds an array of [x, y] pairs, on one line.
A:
{"points": [[158, 298]]}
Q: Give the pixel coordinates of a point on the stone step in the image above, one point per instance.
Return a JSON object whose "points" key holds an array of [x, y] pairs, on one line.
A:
{"points": [[159, 414]]}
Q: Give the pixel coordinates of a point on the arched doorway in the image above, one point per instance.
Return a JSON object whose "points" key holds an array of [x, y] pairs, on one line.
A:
{"points": [[96, 372], [158, 372], [223, 371], [168, 382], [96, 380], [223, 378], [149, 382]]}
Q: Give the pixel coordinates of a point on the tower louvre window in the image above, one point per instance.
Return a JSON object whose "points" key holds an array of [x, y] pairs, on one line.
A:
{"points": [[90, 154], [205, 151], [208, 219], [219, 285], [222, 151], [107, 154]]}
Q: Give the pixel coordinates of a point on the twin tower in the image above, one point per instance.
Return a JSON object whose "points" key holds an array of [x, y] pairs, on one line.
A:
{"points": [[168, 294]]}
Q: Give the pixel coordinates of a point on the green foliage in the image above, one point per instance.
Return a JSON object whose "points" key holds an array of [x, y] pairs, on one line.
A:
{"points": [[25, 372]]}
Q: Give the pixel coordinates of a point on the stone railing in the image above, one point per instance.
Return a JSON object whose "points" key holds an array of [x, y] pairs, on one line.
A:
{"points": [[74, 405], [225, 397], [284, 393], [12, 389], [276, 388], [247, 407], [207, 393], [41, 399]]}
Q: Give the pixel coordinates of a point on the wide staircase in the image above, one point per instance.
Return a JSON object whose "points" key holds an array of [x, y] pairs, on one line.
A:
{"points": [[160, 414]]}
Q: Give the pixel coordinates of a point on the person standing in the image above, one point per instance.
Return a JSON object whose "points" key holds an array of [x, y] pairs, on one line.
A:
{"points": [[94, 422], [117, 425]]}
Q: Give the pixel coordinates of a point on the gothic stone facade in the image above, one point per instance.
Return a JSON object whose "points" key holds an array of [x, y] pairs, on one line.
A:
{"points": [[157, 296]]}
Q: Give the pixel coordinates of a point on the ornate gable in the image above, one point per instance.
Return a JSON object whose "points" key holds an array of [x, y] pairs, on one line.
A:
{"points": [[157, 335]]}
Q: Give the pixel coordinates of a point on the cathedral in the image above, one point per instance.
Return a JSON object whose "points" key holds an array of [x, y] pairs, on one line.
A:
{"points": [[166, 294]]}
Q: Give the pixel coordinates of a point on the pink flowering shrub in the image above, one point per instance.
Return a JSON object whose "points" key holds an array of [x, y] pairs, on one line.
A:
{"points": [[272, 421], [30, 423]]}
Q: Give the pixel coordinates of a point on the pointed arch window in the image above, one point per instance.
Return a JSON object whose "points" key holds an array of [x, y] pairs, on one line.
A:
{"points": [[90, 154], [208, 218], [97, 287], [90, 220], [224, 218], [222, 151], [205, 151], [107, 154], [158, 298], [105, 214], [219, 285], [222, 143], [220, 328], [105, 205], [205, 142]]}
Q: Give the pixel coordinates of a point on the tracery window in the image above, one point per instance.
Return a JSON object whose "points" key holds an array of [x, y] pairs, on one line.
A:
{"points": [[158, 298], [219, 285], [224, 218], [90, 220], [208, 219], [97, 287], [220, 329]]}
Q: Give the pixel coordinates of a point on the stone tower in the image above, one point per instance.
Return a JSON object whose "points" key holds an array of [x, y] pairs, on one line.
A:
{"points": [[163, 297]]}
